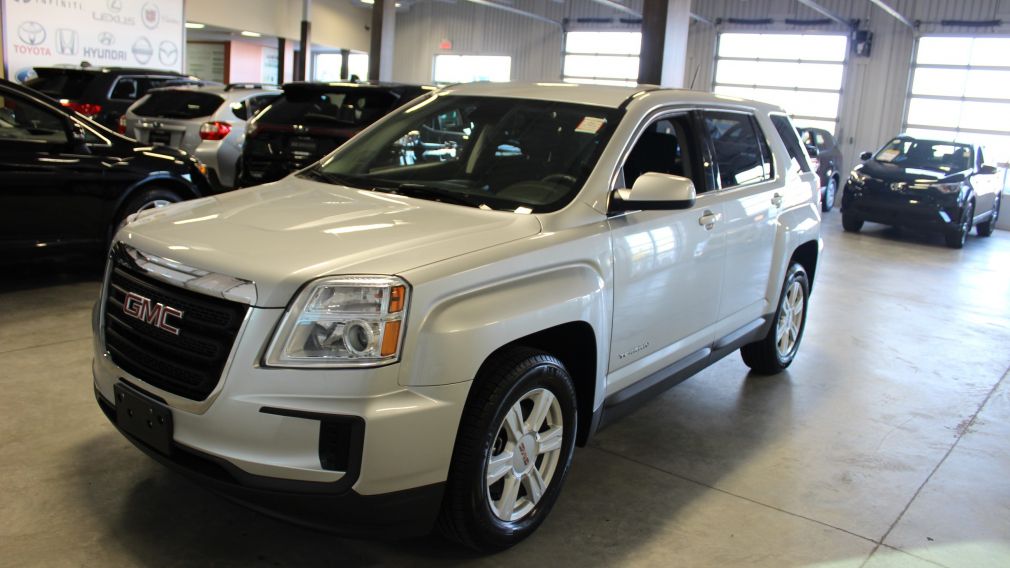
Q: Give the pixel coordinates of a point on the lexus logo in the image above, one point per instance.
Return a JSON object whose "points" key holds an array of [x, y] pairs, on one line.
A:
{"points": [[106, 38], [156, 314], [115, 5], [32, 33], [150, 15]]}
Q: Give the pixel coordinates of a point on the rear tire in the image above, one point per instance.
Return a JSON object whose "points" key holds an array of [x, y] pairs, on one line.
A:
{"points": [[985, 229], [513, 450], [776, 351], [830, 192], [850, 223], [152, 198]]}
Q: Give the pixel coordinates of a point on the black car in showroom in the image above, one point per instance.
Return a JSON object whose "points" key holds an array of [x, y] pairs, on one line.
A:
{"points": [[68, 182], [926, 184], [103, 93], [828, 162], [310, 120]]}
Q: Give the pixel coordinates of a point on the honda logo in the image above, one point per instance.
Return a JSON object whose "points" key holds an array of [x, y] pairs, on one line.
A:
{"points": [[156, 314]]}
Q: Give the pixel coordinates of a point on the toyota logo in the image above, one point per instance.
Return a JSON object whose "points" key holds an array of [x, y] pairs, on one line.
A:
{"points": [[32, 33], [106, 38]]}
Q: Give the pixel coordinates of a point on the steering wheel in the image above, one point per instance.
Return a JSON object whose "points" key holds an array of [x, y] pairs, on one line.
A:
{"points": [[560, 179]]}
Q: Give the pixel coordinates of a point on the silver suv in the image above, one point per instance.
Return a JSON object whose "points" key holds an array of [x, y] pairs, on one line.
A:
{"points": [[423, 326], [208, 122]]}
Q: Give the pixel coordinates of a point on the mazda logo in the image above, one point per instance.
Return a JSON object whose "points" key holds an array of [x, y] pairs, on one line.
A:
{"points": [[32, 33], [168, 53], [106, 38]]}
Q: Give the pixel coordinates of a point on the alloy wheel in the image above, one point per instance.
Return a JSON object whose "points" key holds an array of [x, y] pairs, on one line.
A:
{"points": [[787, 330], [524, 457]]}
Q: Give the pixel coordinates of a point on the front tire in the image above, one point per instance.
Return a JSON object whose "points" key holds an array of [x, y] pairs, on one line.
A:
{"points": [[956, 240], [513, 450], [985, 229], [830, 192], [776, 351], [152, 198], [851, 223]]}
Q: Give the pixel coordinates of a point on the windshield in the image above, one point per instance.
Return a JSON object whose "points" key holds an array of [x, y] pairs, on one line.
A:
{"points": [[178, 103], [61, 83], [485, 152], [926, 155]]}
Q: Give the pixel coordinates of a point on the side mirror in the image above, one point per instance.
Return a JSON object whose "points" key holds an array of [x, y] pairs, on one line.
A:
{"points": [[812, 151], [987, 170], [865, 156], [654, 192]]}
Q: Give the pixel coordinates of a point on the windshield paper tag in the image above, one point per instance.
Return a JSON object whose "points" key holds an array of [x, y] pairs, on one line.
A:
{"points": [[590, 125], [888, 155]]}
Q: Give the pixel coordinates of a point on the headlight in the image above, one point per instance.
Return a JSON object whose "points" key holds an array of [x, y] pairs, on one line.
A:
{"points": [[353, 321], [858, 177], [947, 187]]}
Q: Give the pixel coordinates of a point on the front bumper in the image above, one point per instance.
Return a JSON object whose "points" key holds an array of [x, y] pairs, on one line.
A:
{"points": [[260, 437], [900, 209]]}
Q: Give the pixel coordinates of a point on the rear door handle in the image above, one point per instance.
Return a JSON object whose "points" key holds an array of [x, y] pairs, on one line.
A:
{"points": [[777, 200], [708, 219]]}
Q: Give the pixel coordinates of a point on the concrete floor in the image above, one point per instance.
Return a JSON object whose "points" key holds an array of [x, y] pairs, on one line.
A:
{"points": [[885, 444]]}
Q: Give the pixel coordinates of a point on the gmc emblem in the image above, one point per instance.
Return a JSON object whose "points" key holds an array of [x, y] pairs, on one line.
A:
{"points": [[139, 307]]}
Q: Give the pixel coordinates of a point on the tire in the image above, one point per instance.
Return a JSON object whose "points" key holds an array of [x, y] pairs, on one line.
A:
{"points": [[830, 192], [985, 229], [146, 199], [956, 239], [477, 513], [776, 351], [851, 224]]}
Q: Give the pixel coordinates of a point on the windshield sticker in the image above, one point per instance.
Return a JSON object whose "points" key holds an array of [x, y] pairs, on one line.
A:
{"points": [[888, 155], [590, 125]]}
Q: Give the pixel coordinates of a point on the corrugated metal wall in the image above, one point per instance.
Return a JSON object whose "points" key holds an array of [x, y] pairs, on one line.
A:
{"points": [[874, 90]]}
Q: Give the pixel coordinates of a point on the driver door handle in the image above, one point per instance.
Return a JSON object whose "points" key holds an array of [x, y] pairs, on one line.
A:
{"points": [[777, 200], [708, 220]]}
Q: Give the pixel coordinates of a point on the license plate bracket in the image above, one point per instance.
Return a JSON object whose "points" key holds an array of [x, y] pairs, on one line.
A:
{"points": [[161, 137], [144, 418]]}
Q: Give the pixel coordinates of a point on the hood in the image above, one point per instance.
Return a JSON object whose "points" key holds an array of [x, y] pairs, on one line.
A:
{"points": [[889, 173], [284, 234]]}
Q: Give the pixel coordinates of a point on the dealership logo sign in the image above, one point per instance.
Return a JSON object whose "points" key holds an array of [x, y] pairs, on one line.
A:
{"points": [[115, 5], [32, 33], [106, 38], [66, 41], [168, 53], [142, 51], [150, 15]]}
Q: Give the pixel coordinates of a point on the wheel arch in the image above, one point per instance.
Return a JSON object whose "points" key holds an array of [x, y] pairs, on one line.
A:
{"points": [[185, 190], [806, 255]]}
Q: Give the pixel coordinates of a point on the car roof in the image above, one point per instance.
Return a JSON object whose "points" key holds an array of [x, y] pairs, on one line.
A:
{"points": [[117, 70], [222, 90], [597, 95], [363, 85]]}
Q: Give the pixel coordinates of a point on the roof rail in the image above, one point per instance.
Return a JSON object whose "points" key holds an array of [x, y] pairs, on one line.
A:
{"points": [[233, 86]]}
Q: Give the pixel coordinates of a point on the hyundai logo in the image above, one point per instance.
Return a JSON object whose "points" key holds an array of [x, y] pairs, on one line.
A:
{"points": [[32, 33], [151, 313], [106, 38]]}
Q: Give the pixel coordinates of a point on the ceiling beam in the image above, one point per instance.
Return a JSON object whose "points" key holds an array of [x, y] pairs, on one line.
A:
{"points": [[619, 7], [897, 15], [516, 11], [825, 12]]}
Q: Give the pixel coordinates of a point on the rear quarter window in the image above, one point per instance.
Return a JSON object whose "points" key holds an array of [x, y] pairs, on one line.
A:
{"points": [[790, 137], [178, 104], [62, 84], [741, 151]]}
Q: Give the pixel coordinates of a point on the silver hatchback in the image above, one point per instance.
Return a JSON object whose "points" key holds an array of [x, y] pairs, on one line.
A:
{"points": [[208, 122]]}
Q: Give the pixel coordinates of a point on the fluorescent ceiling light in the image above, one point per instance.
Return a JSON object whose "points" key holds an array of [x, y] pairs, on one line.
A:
{"points": [[251, 34], [195, 26], [369, 2]]}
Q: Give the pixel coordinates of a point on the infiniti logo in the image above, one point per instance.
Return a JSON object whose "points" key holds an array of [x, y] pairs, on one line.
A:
{"points": [[32, 33], [156, 314]]}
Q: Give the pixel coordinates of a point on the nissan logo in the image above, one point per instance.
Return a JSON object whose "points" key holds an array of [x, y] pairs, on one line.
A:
{"points": [[142, 50], [32, 33]]}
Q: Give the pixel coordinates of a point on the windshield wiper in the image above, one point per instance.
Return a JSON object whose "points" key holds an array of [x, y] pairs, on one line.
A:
{"points": [[318, 174], [433, 193]]}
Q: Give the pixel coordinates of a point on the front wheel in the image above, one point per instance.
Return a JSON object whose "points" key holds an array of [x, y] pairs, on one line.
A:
{"points": [[957, 238], [147, 199], [830, 191], [985, 229], [778, 349], [851, 223], [513, 450]]}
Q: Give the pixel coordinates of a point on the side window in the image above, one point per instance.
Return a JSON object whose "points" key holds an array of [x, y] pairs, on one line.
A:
{"points": [[797, 153], [738, 149], [667, 147], [126, 88], [256, 104], [22, 120], [241, 109]]}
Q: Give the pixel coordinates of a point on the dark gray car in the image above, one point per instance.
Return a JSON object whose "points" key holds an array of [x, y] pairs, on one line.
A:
{"points": [[828, 161]]}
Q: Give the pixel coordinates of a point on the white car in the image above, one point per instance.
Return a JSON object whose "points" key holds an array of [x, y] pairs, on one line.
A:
{"points": [[423, 325], [209, 122]]}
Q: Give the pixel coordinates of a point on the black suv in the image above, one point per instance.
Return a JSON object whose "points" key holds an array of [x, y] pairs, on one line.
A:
{"points": [[926, 184], [103, 93], [68, 182], [311, 120]]}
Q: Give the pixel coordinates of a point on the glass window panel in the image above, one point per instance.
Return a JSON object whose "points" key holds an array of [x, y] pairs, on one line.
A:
{"points": [[828, 125], [587, 81], [991, 51], [613, 43], [944, 50], [929, 112], [601, 66], [357, 64], [988, 84], [939, 82], [811, 47], [327, 66], [984, 116], [780, 74], [805, 103]]}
